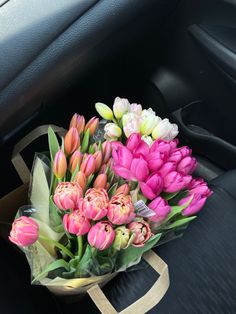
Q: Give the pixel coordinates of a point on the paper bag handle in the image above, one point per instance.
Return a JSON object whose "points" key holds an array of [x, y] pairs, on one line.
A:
{"points": [[17, 160], [146, 302]]}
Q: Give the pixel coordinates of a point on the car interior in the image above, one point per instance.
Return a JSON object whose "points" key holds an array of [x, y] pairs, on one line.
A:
{"points": [[176, 56]]}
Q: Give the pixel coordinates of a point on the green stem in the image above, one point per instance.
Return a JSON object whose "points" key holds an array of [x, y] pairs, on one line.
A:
{"points": [[58, 245], [80, 247]]}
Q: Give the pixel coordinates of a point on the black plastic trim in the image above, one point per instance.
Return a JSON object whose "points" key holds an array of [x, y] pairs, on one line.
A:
{"points": [[217, 44]]}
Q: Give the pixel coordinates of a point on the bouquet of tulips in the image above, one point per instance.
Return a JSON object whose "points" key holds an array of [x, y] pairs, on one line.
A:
{"points": [[104, 194]]}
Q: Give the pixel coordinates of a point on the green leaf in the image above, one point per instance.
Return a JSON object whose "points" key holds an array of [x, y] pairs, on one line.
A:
{"points": [[180, 222], [112, 189], [60, 263], [53, 143], [85, 142], [132, 253], [55, 218], [175, 210], [75, 172], [179, 196], [85, 263], [91, 149], [168, 196]]}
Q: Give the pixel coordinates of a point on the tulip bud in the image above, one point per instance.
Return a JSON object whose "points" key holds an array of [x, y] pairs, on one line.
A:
{"points": [[101, 235], [60, 164], [149, 121], [81, 179], [187, 165], [104, 111], [122, 238], [92, 125], [120, 107], [98, 160], [77, 122], [100, 181], [165, 130], [72, 141], [123, 189], [142, 232], [75, 160], [106, 151], [88, 165], [24, 232], [112, 131]]}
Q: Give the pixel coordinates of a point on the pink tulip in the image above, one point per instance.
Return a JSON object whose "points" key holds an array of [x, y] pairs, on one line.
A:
{"points": [[137, 146], [152, 187], [174, 182], [133, 141], [187, 165], [106, 151], [161, 209], [199, 186], [163, 147], [88, 165], [179, 153], [142, 232], [195, 206], [60, 164], [81, 179], [71, 141], [100, 181], [120, 209], [101, 235], [92, 125], [98, 160], [75, 160], [77, 122], [67, 195], [139, 169], [123, 189], [94, 204], [122, 156], [166, 168], [24, 232], [75, 223], [154, 161]]}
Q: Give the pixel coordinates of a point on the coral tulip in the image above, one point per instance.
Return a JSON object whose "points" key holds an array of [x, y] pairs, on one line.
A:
{"points": [[92, 125], [67, 195], [120, 209], [77, 122], [142, 232], [75, 223], [71, 141], [60, 164], [94, 204], [101, 235]]}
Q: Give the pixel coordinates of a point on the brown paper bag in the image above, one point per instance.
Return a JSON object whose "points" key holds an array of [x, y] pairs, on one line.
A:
{"points": [[9, 205]]}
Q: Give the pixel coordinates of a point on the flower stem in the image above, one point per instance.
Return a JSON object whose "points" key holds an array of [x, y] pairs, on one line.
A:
{"points": [[80, 247], [57, 244]]}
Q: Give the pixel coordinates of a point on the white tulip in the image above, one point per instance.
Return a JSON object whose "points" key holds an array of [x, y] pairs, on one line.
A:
{"points": [[149, 121], [147, 139], [120, 107], [165, 130], [112, 132]]}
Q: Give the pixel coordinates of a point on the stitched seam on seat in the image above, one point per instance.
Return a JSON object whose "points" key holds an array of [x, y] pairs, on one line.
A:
{"points": [[222, 189]]}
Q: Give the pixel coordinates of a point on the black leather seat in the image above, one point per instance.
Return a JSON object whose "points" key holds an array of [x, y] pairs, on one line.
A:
{"points": [[201, 265]]}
